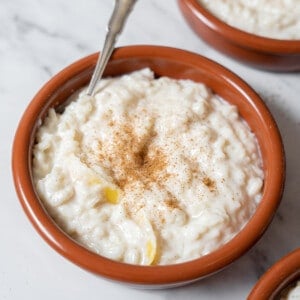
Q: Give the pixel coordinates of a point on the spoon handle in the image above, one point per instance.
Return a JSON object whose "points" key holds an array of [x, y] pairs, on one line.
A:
{"points": [[116, 23]]}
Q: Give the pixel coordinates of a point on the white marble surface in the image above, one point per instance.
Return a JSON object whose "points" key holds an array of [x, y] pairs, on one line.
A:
{"points": [[40, 37]]}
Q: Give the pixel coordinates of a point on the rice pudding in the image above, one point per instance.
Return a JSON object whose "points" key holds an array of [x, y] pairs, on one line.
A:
{"points": [[148, 171], [278, 19]]}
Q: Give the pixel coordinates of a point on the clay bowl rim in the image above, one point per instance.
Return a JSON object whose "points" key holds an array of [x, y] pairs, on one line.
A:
{"points": [[284, 272], [145, 275], [240, 37]]}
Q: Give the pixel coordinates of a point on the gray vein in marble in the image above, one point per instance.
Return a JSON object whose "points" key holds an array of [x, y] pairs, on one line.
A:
{"points": [[25, 27], [47, 70], [163, 8], [260, 261], [279, 217]]}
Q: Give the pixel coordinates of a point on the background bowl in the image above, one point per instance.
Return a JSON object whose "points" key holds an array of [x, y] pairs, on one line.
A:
{"points": [[257, 51], [277, 278], [177, 64]]}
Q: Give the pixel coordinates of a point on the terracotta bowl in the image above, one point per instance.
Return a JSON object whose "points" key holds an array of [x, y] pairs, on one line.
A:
{"points": [[177, 64], [278, 278], [257, 51]]}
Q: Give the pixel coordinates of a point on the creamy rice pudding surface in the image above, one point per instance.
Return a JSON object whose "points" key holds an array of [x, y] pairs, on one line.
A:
{"points": [[148, 171], [279, 19]]}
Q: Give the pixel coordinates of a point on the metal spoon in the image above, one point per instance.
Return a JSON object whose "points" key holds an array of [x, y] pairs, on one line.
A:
{"points": [[116, 23]]}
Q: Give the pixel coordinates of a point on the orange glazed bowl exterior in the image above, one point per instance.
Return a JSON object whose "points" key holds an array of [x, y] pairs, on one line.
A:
{"points": [[176, 64], [279, 277], [257, 51]]}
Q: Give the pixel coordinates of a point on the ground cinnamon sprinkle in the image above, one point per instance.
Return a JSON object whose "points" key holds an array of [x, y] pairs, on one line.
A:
{"points": [[209, 183], [172, 203], [130, 157]]}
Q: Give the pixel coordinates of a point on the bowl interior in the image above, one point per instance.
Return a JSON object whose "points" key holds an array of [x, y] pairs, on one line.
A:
{"points": [[286, 285], [164, 62]]}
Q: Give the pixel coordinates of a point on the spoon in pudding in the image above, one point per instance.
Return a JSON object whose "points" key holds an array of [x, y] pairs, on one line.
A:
{"points": [[115, 25]]}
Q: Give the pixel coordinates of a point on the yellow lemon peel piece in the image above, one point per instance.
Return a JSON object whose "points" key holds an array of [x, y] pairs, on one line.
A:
{"points": [[150, 252], [111, 195]]}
